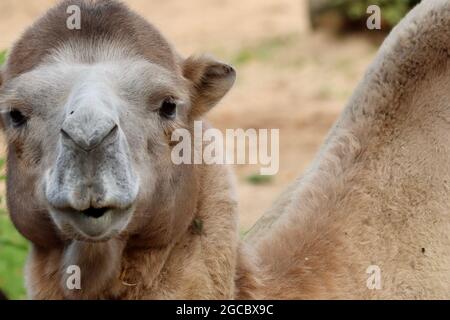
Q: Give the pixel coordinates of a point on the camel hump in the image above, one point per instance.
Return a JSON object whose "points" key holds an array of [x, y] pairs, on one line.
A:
{"points": [[379, 182], [414, 55], [416, 51]]}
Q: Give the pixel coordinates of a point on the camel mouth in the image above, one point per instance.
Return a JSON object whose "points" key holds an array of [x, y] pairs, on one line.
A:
{"points": [[95, 212], [92, 224]]}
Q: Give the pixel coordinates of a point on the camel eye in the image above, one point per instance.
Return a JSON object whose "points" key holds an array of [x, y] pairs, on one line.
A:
{"points": [[17, 118], [168, 108]]}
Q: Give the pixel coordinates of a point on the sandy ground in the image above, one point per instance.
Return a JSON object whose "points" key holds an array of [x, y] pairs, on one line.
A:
{"points": [[288, 78]]}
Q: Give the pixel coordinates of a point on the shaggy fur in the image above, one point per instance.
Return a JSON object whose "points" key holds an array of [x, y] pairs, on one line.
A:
{"points": [[377, 194]]}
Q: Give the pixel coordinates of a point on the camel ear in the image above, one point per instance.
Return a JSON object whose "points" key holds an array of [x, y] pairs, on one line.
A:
{"points": [[210, 81]]}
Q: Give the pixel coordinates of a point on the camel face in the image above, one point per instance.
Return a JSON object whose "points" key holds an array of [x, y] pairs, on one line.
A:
{"points": [[92, 184], [89, 122], [103, 123]]}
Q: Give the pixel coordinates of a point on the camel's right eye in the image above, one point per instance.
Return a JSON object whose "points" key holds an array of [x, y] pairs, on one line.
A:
{"points": [[17, 118]]}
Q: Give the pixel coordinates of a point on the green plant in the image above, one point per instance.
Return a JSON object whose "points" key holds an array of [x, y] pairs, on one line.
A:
{"points": [[259, 179], [13, 252], [392, 11], [2, 57], [263, 50]]}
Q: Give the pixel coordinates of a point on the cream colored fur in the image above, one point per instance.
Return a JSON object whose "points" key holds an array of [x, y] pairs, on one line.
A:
{"points": [[378, 192]]}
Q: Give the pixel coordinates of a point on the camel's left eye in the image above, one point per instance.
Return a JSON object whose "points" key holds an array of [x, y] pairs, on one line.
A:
{"points": [[17, 118], [168, 108]]}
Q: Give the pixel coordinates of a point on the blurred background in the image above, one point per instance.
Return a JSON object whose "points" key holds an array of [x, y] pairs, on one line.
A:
{"points": [[298, 62]]}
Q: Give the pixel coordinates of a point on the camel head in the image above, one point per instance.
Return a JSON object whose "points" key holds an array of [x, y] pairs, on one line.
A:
{"points": [[88, 115]]}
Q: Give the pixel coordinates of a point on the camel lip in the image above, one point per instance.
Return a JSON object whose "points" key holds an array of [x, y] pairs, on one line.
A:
{"points": [[92, 225], [81, 236]]}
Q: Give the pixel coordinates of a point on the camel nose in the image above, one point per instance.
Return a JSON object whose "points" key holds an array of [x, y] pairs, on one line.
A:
{"points": [[88, 128]]}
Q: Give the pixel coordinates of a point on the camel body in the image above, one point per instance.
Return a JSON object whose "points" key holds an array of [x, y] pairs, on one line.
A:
{"points": [[375, 198]]}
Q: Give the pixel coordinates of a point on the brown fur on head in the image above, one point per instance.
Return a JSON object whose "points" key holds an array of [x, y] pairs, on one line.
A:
{"points": [[116, 71]]}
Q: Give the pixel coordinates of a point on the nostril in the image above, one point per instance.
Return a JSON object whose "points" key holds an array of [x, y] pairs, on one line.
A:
{"points": [[95, 212], [112, 131], [65, 134]]}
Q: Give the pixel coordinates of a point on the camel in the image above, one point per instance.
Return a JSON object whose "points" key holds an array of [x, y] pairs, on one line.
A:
{"points": [[88, 114]]}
